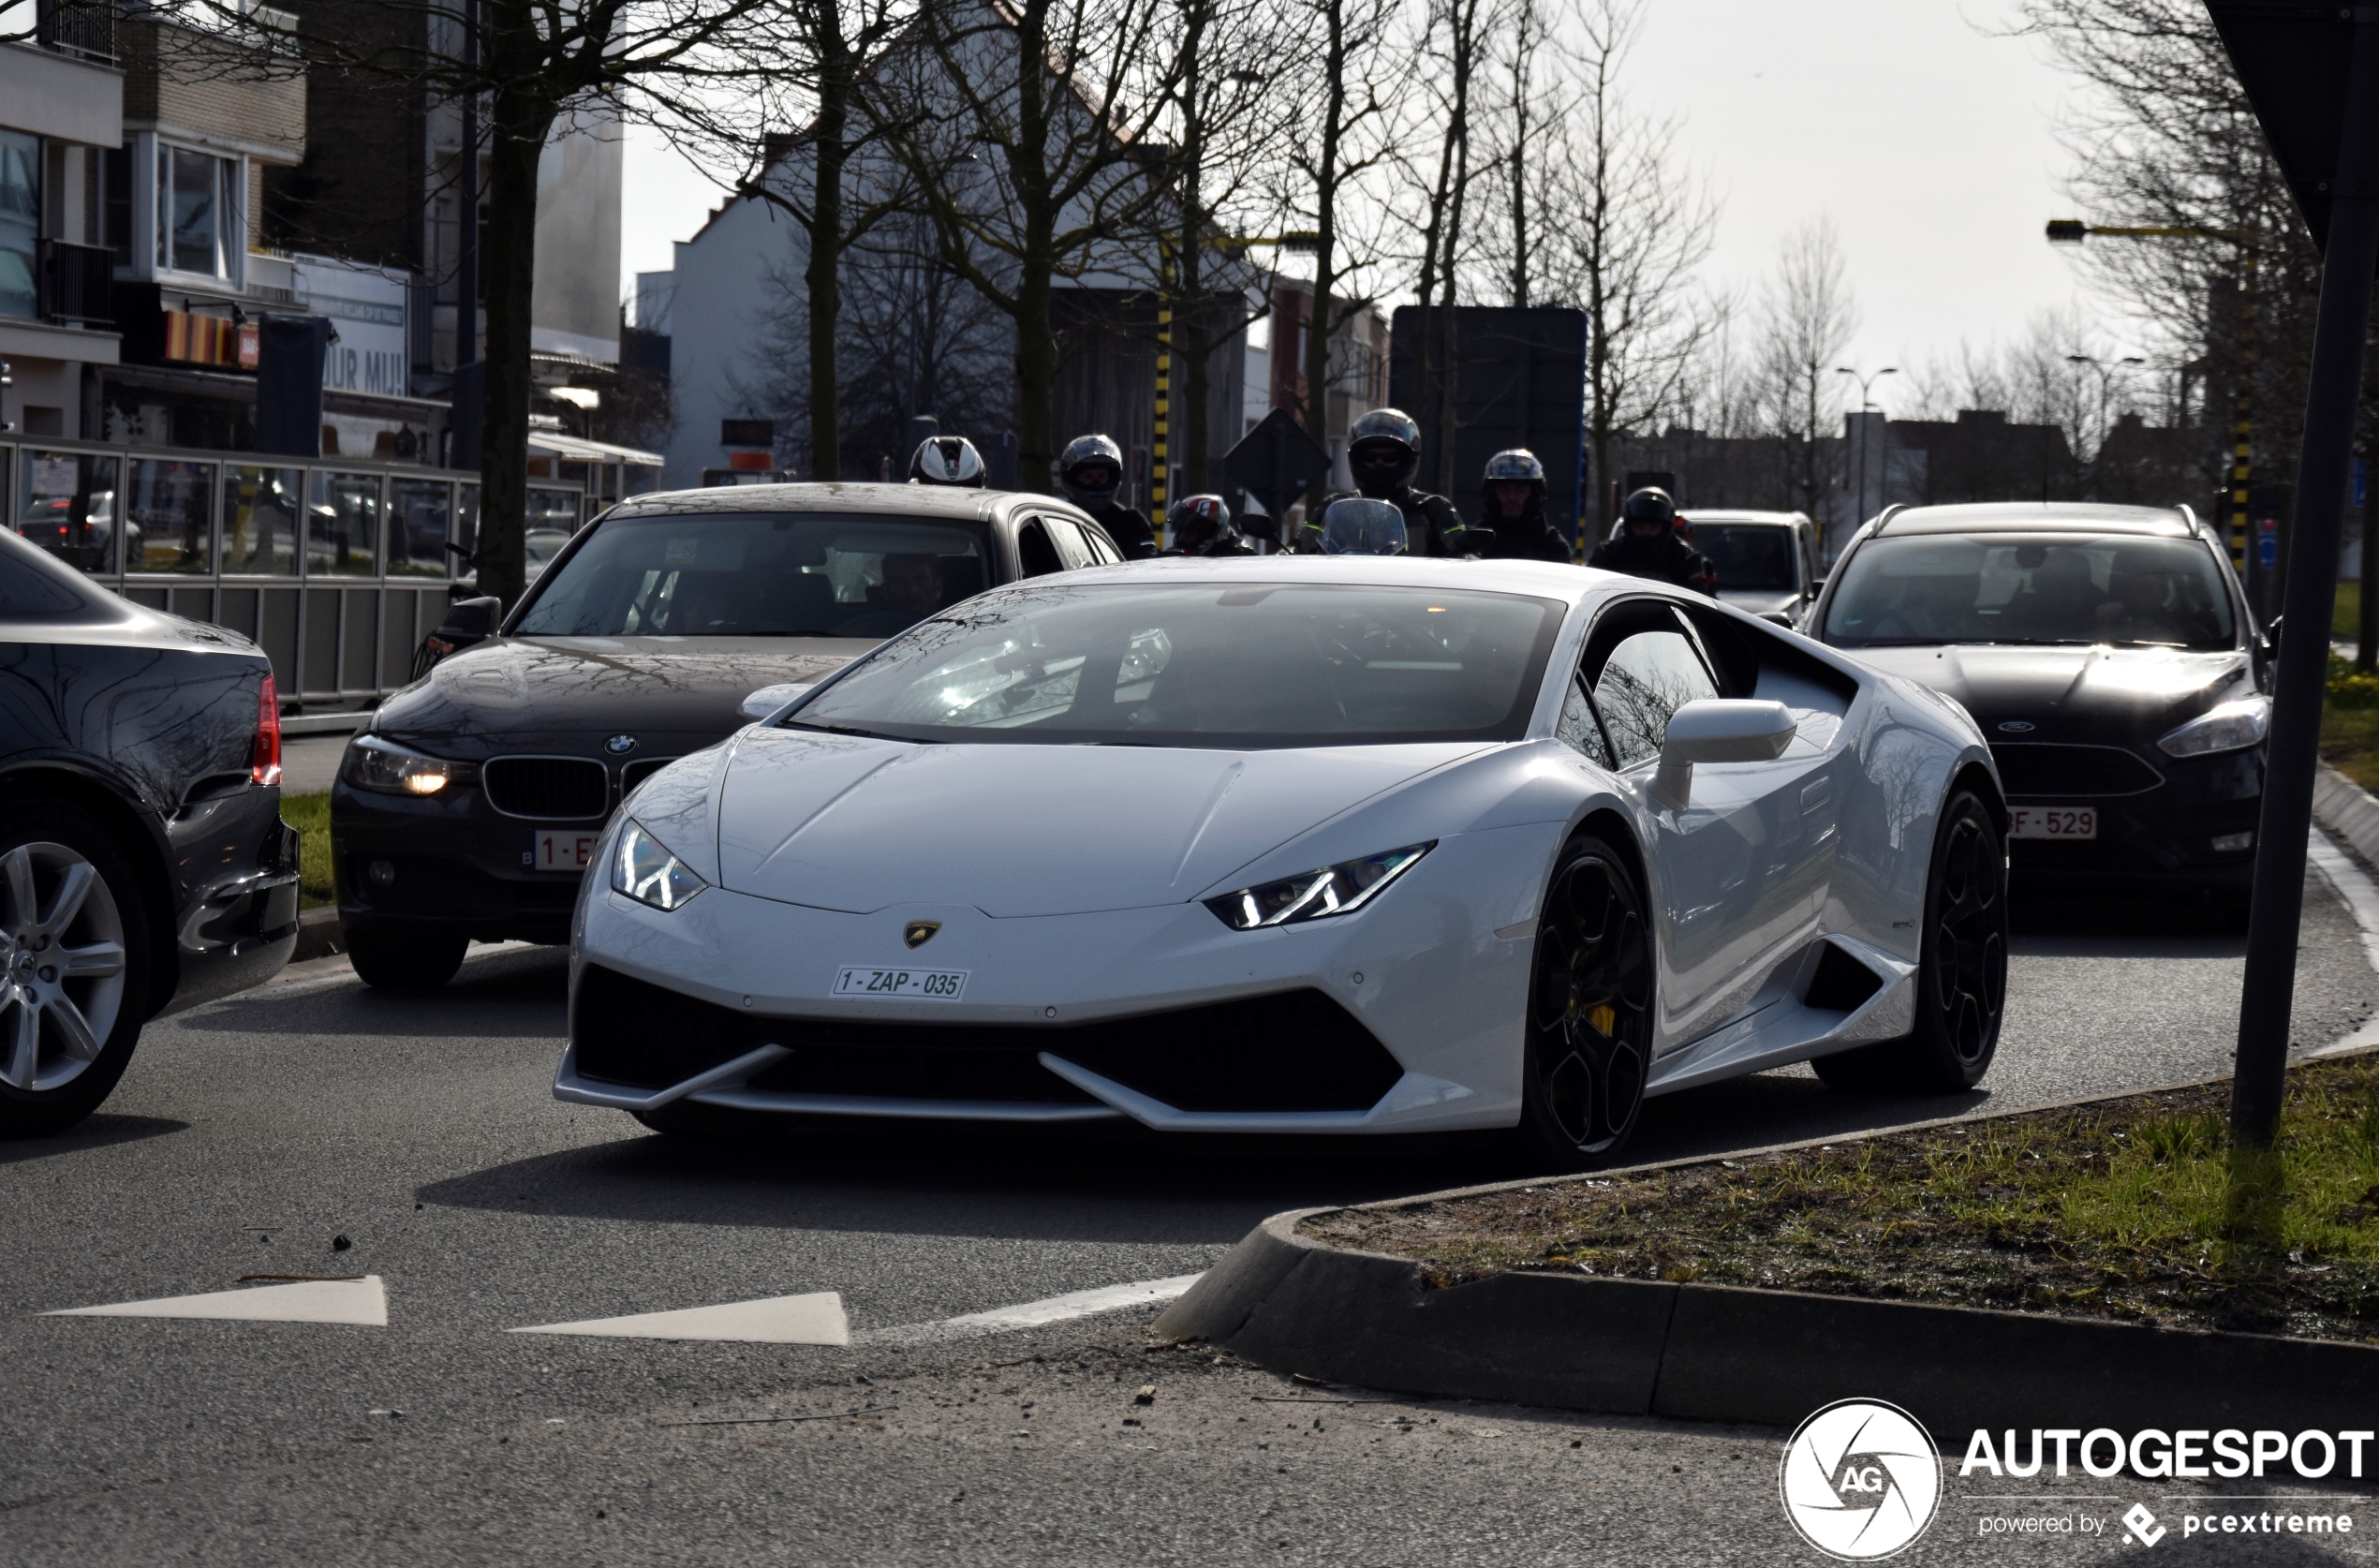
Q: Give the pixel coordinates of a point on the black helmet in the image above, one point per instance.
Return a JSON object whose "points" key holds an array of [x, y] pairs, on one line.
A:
{"points": [[947, 460], [1087, 452], [1650, 504], [1199, 522], [1382, 450]]}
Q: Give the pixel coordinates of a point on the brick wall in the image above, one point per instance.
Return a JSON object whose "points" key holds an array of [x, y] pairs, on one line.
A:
{"points": [[177, 80]]}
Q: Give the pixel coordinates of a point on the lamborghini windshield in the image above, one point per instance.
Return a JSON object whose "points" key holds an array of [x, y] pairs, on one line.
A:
{"points": [[2077, 588], [760, 575], [1246, 666]]}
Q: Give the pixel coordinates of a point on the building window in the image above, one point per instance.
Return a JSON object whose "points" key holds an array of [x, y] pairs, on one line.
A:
{"points": [[196, 197], [20, 221]]}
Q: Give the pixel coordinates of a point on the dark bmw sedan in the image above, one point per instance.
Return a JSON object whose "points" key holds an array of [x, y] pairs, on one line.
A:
{"points": [[144, 867], [471, 807], [2110, 659]]}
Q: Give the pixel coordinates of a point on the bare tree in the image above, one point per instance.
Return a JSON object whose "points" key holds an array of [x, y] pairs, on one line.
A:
{"points": [[1030, 143], [1534, 102], [1807, 317], [1626, 249], [1340, 133], [1459, 38]]}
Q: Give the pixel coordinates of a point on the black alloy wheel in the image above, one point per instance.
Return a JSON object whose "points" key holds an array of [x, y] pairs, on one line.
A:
{"points": [[1961, 978], [1589, 1024], [397, 958]]}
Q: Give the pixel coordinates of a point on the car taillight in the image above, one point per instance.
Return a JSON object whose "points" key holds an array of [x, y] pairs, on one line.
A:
{"points": [[264, 758]]}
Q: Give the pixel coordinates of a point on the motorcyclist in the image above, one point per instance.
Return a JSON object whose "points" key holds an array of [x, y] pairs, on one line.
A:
{"points": [[1202, 526], [1512, 497], [1090, 472], [947, 460], [1383, 448], [1650, 545]]}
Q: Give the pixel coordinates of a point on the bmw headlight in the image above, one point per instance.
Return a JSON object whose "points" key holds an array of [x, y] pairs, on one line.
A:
{"points": [[642, 868], [1332, 889], [380, 766], [2226, 728]]}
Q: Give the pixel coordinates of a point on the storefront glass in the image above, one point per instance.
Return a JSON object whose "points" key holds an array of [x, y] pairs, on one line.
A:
{"points": [[66, 504], [343, 525], [260, 520], [420, 516], [172, 517], [552, 518]]}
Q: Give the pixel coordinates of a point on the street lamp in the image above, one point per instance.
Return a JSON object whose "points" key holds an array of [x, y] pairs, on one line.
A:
{"points": [[1865, 403]]}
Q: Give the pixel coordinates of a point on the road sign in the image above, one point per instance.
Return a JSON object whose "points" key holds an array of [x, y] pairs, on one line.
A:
{"points": [[1275, 462], [2296, 60]]}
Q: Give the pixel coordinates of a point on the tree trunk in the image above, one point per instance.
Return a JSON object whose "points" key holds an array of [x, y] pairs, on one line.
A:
{"points": [[1326, 245], [518, 126], [1036, 369], [824, 273]]}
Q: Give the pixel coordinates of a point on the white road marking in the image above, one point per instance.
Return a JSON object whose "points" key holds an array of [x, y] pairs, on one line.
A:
{"points": [[816, 1318], [355, 1301], [1031, 1314]]}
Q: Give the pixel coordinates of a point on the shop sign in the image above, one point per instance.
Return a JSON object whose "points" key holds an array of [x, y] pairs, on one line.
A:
{"points": [[369, 307]]}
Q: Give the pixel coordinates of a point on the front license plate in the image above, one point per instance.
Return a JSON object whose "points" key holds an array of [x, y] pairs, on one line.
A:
{"points": [[561, 851], [2033, 822], [863, 979]]}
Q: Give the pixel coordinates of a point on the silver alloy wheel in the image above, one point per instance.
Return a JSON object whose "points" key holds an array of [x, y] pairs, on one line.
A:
{"points": [[61, 965]]}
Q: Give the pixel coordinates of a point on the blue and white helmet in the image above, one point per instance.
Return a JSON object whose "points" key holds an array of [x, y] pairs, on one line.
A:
{"points": [[947, 460], [1358, 526]]}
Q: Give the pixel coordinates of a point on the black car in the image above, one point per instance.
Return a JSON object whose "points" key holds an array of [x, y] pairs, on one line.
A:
{"points": [[144, 867], [471, 807], [2112, 662]]}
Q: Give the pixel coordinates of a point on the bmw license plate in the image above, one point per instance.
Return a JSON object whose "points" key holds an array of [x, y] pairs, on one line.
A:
{"points": [[865, 979], [2035, 821], [560, 851]]}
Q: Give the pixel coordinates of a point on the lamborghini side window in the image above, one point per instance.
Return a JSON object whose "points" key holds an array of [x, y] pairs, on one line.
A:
{"points": [[1034, 552], [1648, 678], [1577, 728]]}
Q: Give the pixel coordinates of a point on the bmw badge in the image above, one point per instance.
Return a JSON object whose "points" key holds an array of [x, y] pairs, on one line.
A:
{"points": [[620, 746]]}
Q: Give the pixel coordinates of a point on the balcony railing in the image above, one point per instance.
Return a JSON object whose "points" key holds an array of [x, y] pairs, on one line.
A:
{"points": [[77, 283], [84, 27]]}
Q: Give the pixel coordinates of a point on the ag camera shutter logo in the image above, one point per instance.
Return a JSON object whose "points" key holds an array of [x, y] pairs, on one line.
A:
{"points": [[1860, 1480]]}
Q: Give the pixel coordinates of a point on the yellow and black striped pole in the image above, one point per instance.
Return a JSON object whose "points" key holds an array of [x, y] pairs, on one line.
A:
{"points": [[2242, 417], [1164, 410]]}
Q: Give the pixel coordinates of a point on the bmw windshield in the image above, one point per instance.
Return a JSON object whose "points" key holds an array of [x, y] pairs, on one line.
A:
{"points": [[756, 574], [1248, 666], [2048, 589]]}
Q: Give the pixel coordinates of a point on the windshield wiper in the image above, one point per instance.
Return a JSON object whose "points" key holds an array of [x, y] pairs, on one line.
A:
{"points": [[844, 730]]}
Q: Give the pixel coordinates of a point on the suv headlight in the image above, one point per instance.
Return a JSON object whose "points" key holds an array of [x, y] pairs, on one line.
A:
{"points": [[380, 766], [2226, 728], [642, 868], [1333, 889]]}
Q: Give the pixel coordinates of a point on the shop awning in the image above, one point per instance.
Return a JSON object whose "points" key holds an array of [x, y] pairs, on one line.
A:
{"points": [[575, 449]]}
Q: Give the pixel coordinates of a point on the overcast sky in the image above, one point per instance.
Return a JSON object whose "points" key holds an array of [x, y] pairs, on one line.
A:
{"points": [[1930, 140]]}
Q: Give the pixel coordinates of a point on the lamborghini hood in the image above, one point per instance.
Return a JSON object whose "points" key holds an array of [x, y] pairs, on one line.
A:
{"points": [[856, 824]]}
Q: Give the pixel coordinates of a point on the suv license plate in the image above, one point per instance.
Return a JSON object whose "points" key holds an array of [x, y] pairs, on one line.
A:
{"points": [[570, 851], [2032, 822], [863, 980]]}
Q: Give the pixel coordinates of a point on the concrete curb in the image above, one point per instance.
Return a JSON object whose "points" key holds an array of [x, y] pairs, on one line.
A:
{"points": [[1721, 1353], [2346, 810]]}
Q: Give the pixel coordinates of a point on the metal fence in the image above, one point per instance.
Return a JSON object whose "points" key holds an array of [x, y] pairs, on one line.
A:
{"points": [[338, 567]]}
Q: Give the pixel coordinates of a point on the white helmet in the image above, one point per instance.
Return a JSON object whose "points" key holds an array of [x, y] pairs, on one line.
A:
{"points": [[947, 460]]}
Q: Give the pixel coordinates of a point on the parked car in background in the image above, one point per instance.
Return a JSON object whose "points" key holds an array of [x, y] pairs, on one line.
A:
{"points": [[2110, 656], [144, 867], [1768, 562], [471, 807]]}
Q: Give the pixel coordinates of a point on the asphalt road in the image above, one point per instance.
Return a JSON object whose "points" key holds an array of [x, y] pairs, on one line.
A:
{"points": [[250, 1134]]}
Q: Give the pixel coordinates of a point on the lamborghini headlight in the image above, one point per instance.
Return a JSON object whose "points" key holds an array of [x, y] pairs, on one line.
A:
{"points": [[380, 766], [2228, 726], [1333, 889], [642, 868]]}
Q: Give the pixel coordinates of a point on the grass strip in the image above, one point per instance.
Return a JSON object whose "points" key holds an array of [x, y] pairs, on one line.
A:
{"points": [[2137, 1210], [311, 816]]}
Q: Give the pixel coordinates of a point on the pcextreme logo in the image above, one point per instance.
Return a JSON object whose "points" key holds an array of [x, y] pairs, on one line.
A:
{"points": [[1860, 1480]]}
